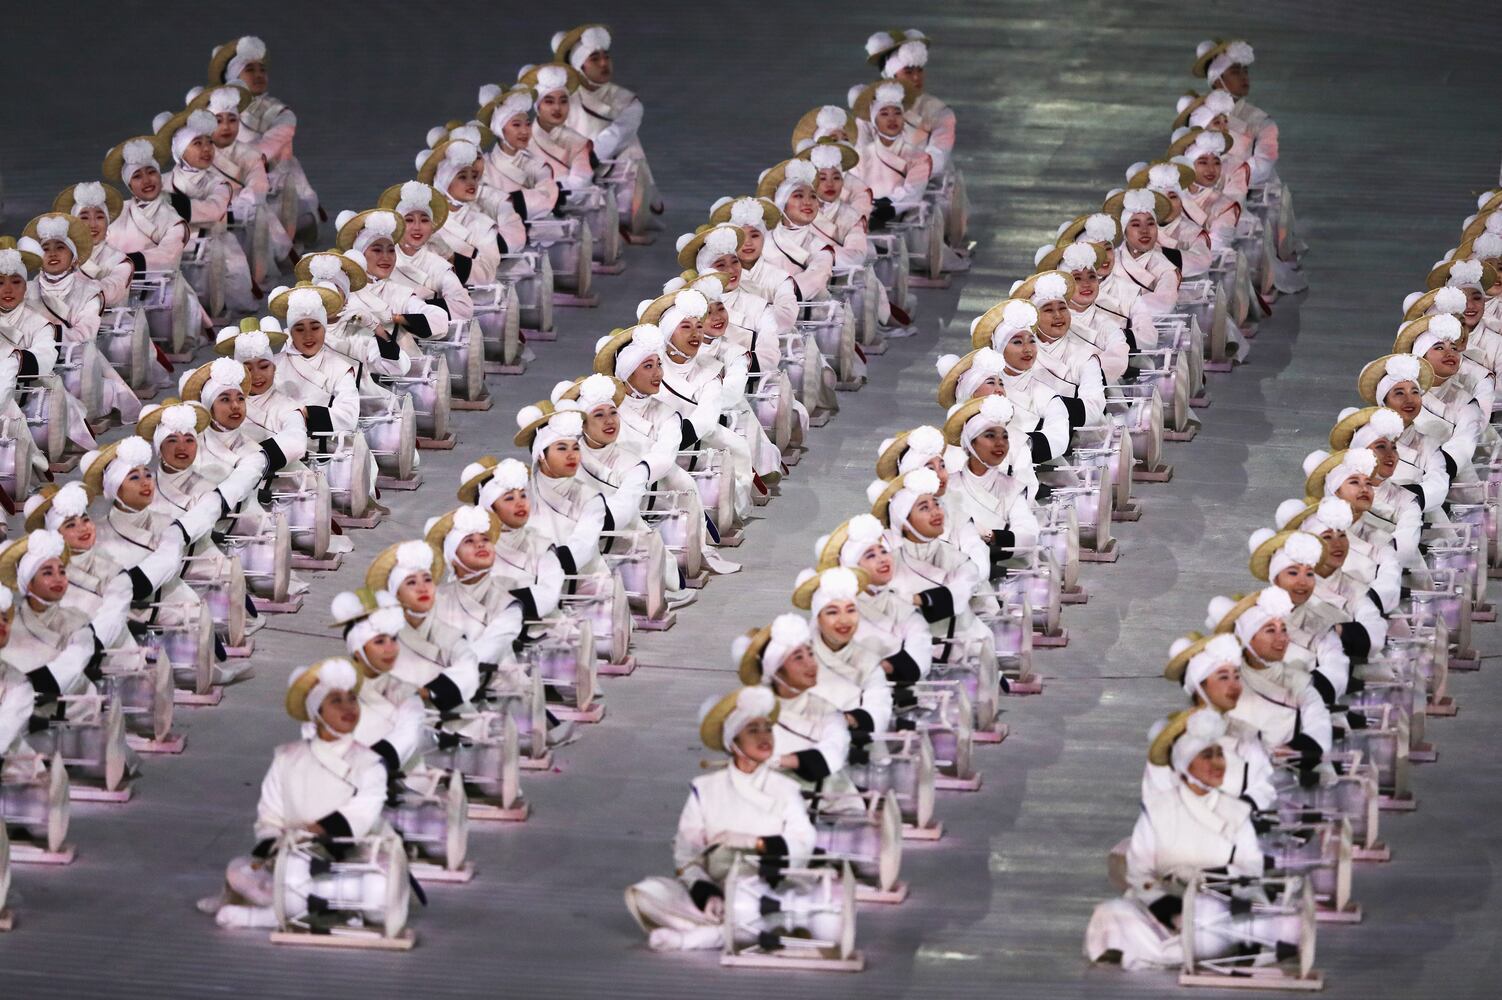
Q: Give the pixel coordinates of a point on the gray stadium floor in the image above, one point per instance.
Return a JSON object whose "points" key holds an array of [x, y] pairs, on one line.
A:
{"points": [[1379, 111]]}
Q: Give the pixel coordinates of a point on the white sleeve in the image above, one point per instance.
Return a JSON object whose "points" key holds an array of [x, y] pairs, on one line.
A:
{"points": [[364, 810], [691, 840], [619, 132], [17, 697]]}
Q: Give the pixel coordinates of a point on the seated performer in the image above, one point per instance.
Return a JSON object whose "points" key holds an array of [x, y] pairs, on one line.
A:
{"points": [[1192, 827], [324, 786], [745, 808]]}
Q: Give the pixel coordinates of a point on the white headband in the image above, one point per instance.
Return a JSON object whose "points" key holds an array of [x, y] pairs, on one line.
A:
{"points": [[591, 40], [1203, 730], [1236, 54], [836, 584], [596, 391], [566, 424], [415, 197], [995, 411], [719, 242], [1212, 143], [789, 632], [1081, 256], [334, 674], [1447, 300], [248, 49], [915, 484], [1299, 549], [306, 303], [1271, 603], [924, 444], [516, 103], [1138, 202], [1465, 274], [1332, 514], [1383, 425], [751, 703], [377, 225], [887, 95], [646, 342], [797, 174], [88, 194], [687, 304], [130, 454], [509, 475], [41, 546], [52, 228], [224, 375], [1358, 462], [1400, 368], [137, 153], [196, 124], [467, 521], [861, 532], [411, 557], [181, 418], [11, 263], [72, 500], [1049, 288], [1223, 650], [746, 212], [827, 157], [908, 54]]}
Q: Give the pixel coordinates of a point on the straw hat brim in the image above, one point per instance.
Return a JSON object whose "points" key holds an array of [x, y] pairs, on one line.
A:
{"points": [[529, 78], [226, 348], [1344, 430], [690, 252], [1139, 180], [1076, 228], [829, 554], [469, 489], [351, 229], [147, 425], [78, 232], [1116, 204], [193, 387], [1227, 622], [1412, 331], [113, 202], [1025, 290], [1160, 751], [604, 363], [1174, 669], [954, 424], [770, 214], [441, 527], [296, 700], [1182, 118], [93, 479], [333, 302], [1441, 274], [572, 392], [809, 124], [438, 205], [353, 272], [1262, 557], [888, 462], [712, 728], [849, 155], [524, 436], [862, 105], [1314, 483], [881, 508], [37, 519], [1201, 65], [201, 102], [1054, 259], [115, 158], [1372, 374], [220, 60], [1180, 145], [571, 38], [803, 594], [985, 327], [382, 565], [368, 606], [749, 667]]}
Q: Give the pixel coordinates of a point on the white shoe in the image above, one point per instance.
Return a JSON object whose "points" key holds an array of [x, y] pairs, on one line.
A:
{"points": [[234, 916]]}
